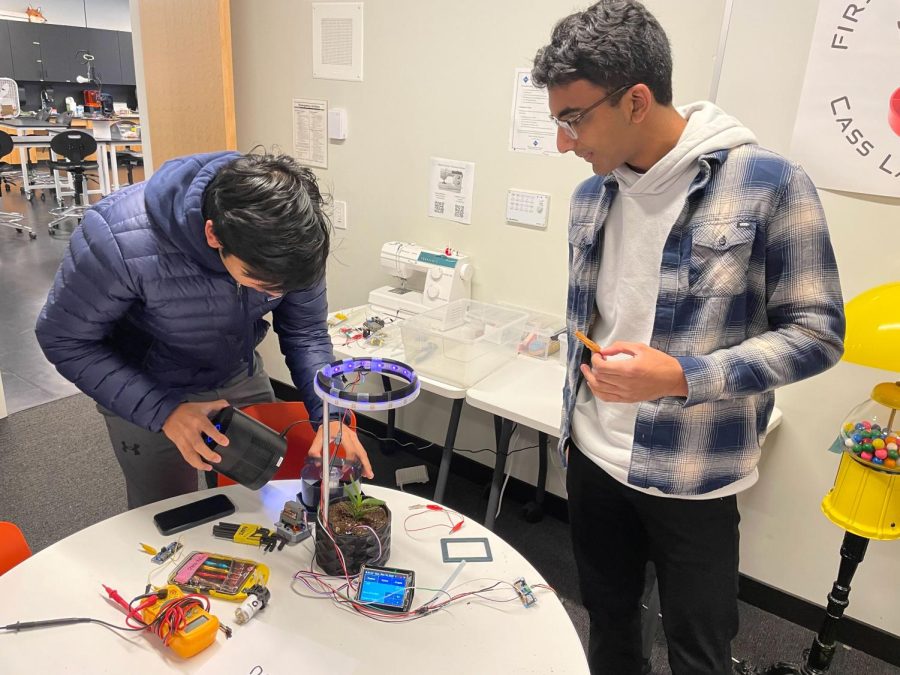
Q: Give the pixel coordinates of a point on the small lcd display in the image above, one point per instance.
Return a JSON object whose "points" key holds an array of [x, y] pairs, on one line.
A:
{"points": [[386, 589]]}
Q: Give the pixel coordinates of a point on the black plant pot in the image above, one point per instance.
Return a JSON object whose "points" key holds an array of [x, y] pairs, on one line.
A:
{"points": [[358, 549]]}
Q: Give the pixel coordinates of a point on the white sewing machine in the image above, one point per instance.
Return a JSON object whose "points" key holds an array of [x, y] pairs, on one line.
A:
{"points": [[442, 276]]}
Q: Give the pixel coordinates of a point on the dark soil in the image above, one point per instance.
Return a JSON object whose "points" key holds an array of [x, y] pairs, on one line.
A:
{"points": [[342, 522]]}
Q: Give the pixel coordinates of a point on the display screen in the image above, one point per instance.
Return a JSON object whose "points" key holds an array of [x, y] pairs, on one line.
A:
{"points": [[383, 588]]}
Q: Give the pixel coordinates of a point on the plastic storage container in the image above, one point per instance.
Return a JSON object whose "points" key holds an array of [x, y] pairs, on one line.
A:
{"points": [[463, 342], [540, 337]]}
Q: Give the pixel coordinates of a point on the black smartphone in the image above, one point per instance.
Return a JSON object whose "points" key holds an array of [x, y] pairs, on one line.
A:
{"points": [[196, 513]]}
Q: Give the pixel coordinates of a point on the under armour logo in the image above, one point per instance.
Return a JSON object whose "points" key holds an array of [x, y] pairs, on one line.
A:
{"points": [[133, 448]]}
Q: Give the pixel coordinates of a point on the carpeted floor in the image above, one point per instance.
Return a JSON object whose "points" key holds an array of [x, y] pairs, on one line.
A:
{"points": [[58, 475]]}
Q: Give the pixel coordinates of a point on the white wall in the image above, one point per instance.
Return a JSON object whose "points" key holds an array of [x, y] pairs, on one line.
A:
{"points": [[108, 14], [438, 82], [787, 541]]}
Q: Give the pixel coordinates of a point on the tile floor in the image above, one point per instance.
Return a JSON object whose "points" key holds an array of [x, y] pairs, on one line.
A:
{"points": [[27, 269]]}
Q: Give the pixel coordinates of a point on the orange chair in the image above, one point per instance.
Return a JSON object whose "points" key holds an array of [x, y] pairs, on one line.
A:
{"points": [[13, 547], [279, 416]]}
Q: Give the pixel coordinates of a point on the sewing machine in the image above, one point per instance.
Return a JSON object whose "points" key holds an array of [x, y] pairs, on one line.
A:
{"points": [[442, 276]]}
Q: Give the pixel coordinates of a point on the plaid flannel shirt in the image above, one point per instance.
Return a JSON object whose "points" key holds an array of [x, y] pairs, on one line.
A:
{"points": [[749, 300]]}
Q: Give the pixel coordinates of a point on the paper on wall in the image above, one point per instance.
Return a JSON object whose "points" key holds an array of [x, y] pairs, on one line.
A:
{"points": [[311, 132], [531, 129], [451, 186]]}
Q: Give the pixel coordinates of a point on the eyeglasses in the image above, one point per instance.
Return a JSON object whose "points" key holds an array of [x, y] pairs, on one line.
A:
{"points": [[569, 125]]}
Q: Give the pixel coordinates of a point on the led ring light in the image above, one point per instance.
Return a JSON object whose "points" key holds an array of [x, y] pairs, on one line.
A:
{"points": [[327, 390]]}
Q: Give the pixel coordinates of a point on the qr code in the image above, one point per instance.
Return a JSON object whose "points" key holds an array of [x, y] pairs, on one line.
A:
{"points": [[459, 211], [439, 207]]}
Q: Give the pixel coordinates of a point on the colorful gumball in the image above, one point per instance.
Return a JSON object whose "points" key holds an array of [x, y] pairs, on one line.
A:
{"points": [[877, 443], [881, 454], [890, 463], [866, 456], [876, 460]]}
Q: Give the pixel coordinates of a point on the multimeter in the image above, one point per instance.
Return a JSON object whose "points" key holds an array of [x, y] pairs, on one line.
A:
{"points": [[198, 632], [386, 588]]}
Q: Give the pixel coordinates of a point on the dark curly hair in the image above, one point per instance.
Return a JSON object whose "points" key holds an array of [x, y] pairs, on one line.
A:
{"points": [[267, 211], [613, 44]]}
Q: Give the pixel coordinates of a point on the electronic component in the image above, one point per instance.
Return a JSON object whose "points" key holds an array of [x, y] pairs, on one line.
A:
{"points": [[468, 549], [336, 319], [526, 595], [372, 325], [166, 552], [188, 636], [292, 526], [386, 588], [257, 599]]}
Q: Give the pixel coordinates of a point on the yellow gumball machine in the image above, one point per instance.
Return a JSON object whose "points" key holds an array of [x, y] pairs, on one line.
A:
{"points": [[865, 499]]}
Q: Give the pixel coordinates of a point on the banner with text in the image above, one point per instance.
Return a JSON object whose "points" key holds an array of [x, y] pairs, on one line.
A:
{"points": [[847, 132]]}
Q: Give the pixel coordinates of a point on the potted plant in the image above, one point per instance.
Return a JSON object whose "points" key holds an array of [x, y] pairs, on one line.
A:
{"points": [[361, 527]]}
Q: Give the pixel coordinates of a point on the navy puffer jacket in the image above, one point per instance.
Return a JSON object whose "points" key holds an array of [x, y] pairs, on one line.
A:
{"points": [[142, 310]]}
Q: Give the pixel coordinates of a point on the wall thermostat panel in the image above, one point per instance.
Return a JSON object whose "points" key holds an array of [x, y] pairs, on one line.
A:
{"points": [[527, 208]]}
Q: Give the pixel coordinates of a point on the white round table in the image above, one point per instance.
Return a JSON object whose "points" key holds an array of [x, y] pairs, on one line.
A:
{"points": [[295, 633]]}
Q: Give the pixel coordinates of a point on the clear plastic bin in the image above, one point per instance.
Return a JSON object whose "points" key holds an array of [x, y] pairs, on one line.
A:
{"points": [[540, 337], [463, 342]]}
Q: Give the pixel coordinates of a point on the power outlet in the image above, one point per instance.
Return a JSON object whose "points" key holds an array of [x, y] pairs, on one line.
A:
{"points": [[339, 220]]}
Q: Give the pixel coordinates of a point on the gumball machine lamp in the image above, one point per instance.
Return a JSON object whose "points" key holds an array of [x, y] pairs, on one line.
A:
{"points": [[865, 499]]}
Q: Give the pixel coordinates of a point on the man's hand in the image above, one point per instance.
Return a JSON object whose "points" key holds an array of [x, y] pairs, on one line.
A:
{"points": [[184, 426], [650, 374], [352, 447]]}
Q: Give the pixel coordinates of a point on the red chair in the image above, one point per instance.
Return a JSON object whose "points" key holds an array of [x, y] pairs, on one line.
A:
{"points": [[279, 416], [13, 547]]}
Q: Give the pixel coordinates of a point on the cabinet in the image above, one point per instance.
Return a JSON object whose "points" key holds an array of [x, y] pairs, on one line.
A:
{"points": [[26, 50], [6, 65], [104, 45], [49, 52], [61, 64], [126, 55]]}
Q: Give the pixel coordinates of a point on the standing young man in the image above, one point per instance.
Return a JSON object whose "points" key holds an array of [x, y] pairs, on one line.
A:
{"points": [[157, 308], [702, 264]]}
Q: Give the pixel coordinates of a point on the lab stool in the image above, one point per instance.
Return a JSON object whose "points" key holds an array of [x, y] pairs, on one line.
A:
{"points": [[10, 218], [73, 146]]}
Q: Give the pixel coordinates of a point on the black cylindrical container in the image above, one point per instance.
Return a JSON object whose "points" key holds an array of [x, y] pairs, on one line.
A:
{"points": [[254, 452], [373, 548]]}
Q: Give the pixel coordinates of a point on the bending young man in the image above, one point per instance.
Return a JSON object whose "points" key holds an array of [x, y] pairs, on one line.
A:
{"points": [[157, 308]]}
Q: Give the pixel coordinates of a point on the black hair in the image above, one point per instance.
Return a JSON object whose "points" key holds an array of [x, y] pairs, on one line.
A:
{"points": [[612, 44], [267, 211]]}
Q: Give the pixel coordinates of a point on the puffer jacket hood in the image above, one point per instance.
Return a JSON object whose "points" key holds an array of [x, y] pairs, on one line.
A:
{"points": [[174, 201], [143, 312]]}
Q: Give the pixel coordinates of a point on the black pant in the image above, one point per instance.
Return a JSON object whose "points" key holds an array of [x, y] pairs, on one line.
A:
{"points": [[694, 545]]}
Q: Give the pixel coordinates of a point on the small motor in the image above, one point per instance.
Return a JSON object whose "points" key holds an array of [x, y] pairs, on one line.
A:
{"points": [[256, 600], [292, 526]]}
